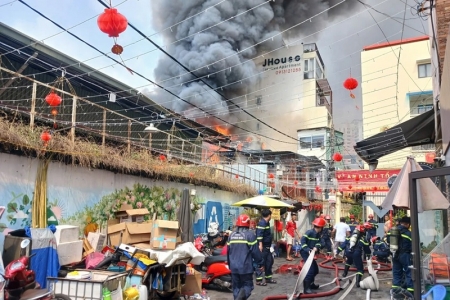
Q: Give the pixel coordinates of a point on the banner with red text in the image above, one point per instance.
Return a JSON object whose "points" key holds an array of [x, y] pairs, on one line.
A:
{"points": [[364, 180]]}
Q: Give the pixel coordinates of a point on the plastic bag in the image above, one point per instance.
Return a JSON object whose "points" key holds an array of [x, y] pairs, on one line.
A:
{"points": [[93, 259]]}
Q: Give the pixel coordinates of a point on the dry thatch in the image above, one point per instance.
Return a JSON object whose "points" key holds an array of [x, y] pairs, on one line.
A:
{"points": [[18, 137]]}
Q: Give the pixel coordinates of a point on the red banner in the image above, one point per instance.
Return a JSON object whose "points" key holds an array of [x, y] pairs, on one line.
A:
{"points": [[364, 180]]}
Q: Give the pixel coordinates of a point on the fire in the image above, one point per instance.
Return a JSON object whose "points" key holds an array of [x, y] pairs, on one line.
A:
{"points": [[222, 130]]}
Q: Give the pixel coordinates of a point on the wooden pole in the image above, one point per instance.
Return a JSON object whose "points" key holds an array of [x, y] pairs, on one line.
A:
{"points": [[129, 136], [74, 120], [33, 105], [104, 131]]}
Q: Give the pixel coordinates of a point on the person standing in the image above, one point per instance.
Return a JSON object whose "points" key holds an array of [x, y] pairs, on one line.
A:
{"points": [[264, 237], [312, 240], [291, 234], [242, 253], [354, 253], [326, 235], [373, 230], [352, 224], [402, 257], [387, 224], [340, 231]]}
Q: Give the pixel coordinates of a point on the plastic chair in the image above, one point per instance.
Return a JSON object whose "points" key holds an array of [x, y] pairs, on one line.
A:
{"points": [[439, 292]]}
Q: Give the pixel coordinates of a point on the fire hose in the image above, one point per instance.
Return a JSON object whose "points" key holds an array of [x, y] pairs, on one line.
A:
{"points": [[369, 283], [301, 277]]}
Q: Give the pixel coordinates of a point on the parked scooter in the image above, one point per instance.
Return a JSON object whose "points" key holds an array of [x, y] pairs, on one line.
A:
{"points": [[215, 271], [217, 274], [20, 282]]}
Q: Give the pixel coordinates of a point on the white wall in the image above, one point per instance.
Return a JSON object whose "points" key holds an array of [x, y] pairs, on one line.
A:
{"points": [[72, 188]]}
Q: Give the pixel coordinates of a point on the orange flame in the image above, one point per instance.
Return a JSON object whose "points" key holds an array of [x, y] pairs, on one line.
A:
{"points": [[222, 130]]}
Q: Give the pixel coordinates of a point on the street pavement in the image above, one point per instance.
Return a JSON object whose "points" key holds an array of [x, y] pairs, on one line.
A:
{"points": [[286, 283]]}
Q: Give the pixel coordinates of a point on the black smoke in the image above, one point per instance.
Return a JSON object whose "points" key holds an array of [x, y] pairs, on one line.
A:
{"points": [[226, 44]]}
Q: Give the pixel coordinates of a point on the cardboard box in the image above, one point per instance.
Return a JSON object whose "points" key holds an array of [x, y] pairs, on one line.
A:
{"points": [[66, 233], [135, 215], [70, 252], [193, 284], [164, 235], [122, 211], [97, 241], [133, 233]]}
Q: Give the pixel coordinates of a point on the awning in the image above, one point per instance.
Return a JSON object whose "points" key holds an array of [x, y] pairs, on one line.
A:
{"points": [[414, 132]]}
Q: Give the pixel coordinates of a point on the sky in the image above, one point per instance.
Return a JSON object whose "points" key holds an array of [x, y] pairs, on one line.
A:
{"points": [[339, 41]]}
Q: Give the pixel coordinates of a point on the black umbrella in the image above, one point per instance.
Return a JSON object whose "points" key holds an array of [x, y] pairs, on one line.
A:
{"points": [[414, 132], [185, 218]]}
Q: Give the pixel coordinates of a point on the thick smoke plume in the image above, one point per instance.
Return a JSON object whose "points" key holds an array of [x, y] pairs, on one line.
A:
{"points": [[221, 43]]}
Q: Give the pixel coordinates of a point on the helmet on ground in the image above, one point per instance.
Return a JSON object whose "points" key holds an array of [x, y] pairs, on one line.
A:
{"points": [[367, 225], [243, 221], [370, 216], [374, 239], [352, 216], [327, 217], [360, 228], [319, 222]]}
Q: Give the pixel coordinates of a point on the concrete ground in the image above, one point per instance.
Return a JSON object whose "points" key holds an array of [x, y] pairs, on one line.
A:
{"points": [[286, 283]]}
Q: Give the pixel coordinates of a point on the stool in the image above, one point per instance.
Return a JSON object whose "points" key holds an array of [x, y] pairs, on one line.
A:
{"points": [[438, 291]]}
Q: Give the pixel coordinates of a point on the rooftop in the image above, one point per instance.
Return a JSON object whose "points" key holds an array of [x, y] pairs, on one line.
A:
{"points": [[396, 43]]}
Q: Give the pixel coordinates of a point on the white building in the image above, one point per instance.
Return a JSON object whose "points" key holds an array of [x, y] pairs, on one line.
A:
{"points": [[292, 95]]}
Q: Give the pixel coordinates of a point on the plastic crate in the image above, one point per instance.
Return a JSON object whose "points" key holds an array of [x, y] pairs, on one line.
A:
{"points": [[80, 289]]}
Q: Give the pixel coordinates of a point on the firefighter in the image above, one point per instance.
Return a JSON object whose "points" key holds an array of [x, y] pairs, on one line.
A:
{"points": [[402, 257], [354, 248], [352, 223], [312, 239], [326, 235], [264, 237], [380, 249], [242, 253], [373, 231]]}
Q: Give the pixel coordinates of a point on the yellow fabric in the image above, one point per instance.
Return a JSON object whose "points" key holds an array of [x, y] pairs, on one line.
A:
{"points": [[39, 206]]}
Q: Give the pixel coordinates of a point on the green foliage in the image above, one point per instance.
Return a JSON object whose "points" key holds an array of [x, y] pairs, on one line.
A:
{"points": [[163, 202], [357, 211]]}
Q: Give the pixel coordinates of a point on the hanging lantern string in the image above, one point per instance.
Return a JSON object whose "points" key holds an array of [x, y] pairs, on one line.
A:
{"points": [[129, 70]]}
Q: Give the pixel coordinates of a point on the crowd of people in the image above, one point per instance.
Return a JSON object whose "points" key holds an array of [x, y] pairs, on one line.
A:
{"points": [[251, 252]]}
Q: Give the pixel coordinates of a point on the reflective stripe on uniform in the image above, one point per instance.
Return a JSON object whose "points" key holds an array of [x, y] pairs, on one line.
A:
{"points": [[310, 238], [260, 227], [407, 237]]}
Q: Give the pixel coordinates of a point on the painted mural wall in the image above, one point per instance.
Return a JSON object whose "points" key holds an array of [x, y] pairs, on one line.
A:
{"points": [[74, 192]]}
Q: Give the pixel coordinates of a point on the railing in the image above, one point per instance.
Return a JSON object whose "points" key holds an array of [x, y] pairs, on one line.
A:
{"points": [[81, 116]]}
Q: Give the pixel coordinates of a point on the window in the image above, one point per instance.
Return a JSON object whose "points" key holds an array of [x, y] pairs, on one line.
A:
{"points": [[305, 142], [424, 70], [258, 100], [309, 142], [309, 68], [421, 108]]}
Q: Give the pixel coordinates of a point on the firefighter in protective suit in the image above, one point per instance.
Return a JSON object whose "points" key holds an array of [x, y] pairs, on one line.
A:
{"points": [[242, 253], [326, 235], [372, 231], [402, 257], [354, 248], [312, 239]]}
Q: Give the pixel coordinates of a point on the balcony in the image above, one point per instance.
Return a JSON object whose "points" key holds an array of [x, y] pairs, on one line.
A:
{"points": [[324, 95]]}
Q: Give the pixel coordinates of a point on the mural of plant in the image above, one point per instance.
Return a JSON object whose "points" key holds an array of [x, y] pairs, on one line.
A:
{"points": [[164, 202]]}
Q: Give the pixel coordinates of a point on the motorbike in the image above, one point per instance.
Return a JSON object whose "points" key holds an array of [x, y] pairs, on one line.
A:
{"points": [[20, 282], [215, 271]]}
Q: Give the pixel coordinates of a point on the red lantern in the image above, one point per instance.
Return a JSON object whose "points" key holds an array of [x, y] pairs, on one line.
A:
{"points": [[429, 157], [117, 49], [237, 176], [271, 176], [191, 174], [111, 22], [295, 182], [53, 99], [162, 157], [337, 157], [46, 136], [351, 84], [318, 189], [356, 178], [375, 188], [349, 187]]}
